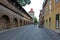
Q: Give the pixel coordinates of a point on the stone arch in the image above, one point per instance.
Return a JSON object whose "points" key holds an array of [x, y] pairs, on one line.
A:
{"points": [[4, 22], [15, 22]]}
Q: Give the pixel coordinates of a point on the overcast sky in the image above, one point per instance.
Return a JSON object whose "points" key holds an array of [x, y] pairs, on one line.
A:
{"points": [[36, 5]]}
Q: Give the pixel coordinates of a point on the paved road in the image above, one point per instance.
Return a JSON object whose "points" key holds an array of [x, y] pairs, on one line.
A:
{"points": [[31, 32]]}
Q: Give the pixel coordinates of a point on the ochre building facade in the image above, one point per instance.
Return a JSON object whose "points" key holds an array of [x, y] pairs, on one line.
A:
{"points": [[51, 10]]}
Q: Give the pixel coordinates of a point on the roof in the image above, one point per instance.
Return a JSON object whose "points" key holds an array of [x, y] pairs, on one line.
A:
{"points": [[31, 11]]}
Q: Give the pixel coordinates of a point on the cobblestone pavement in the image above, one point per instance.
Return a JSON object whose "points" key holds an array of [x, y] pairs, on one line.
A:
{"points": [[30, 32]]}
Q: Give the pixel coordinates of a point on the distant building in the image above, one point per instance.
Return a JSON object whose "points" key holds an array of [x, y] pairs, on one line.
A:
{"points": [[31, 13], [41, 18], [52, 14]]}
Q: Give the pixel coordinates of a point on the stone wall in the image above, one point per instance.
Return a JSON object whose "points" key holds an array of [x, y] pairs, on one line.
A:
{"points": [[11, 18]]}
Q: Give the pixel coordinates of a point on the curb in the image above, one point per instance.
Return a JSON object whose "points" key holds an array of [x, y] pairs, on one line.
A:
{"points": [[9, 29], [2, 31], [54, 34]]}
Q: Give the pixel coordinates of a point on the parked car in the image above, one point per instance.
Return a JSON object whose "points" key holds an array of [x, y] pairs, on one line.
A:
{"points": [[39, 26]]}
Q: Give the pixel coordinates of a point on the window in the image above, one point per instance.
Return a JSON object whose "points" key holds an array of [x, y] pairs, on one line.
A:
{"points": [[56, 1], [57, 21], [46, 22], [46, 9], [50, 6]]}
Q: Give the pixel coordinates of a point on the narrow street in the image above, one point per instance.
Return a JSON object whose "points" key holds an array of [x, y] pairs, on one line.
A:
{"points": [[30, 32], [29, 19]]}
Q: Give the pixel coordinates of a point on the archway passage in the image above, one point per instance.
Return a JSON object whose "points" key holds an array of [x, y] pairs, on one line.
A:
{"points": [[4, 22], [15, 22]]}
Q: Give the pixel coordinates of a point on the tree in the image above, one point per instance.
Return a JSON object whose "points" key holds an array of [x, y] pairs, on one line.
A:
{"points": [[24, 2], [35, 20]]}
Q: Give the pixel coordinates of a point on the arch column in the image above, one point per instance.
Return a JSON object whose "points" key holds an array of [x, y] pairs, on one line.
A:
{"points": [[20, 22], [15, 22], [25, 22]]}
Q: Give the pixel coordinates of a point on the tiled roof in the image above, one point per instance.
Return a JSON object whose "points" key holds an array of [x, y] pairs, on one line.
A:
{"points": [[31, 11]]}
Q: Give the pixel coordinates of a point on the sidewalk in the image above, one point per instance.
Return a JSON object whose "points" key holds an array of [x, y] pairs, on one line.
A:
{"points": [[13, 28], [54, 33], [57, 31], [2, 31]]}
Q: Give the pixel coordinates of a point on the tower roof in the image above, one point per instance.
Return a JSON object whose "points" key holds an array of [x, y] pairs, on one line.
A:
{"points": [[31, 11]]}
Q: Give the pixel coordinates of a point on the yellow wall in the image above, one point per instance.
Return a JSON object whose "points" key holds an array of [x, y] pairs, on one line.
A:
{"points": [[55, 10]]}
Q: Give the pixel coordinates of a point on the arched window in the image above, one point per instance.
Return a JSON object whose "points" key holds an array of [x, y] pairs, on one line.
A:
{"points": [[46, 22]]}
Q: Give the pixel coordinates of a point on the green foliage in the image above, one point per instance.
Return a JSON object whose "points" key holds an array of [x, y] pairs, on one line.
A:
{"points": [[24, 2], [35, 20], [27, 1]]}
